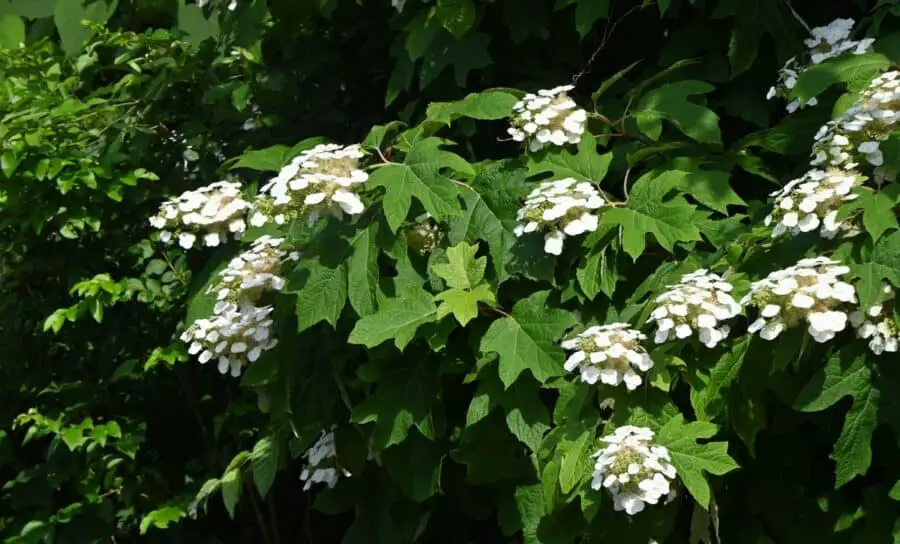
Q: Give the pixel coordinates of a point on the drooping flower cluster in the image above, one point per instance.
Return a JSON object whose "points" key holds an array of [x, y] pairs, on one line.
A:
{"points": [[321, 463], [251, 273], [548, 117], [236, 336], [560, 208], [319, 181], [700, 302], [825, 42], [209, 213], [876, 323], [854, 137], [635, 471], [812, 202], [610, 353], [810, 291]]}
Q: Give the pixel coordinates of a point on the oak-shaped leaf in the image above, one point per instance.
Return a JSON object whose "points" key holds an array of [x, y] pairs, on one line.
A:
{"points": [[691, 458], [528, 339]]}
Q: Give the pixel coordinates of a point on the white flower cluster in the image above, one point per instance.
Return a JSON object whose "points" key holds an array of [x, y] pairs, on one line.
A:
{"points": [[841, 145], [319, 181], [825, 42], [634, 470], [548, 117], [237, 336], [812, 202], [701, 301], [610, 353], [251, 273], [856, 134], [210, 213], [560, 208], [810, 291], [321, 463], [832, 40], [877, 324]]}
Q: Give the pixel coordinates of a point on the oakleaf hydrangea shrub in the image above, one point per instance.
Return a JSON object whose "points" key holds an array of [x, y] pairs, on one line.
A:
{"points": [[581, 326]]}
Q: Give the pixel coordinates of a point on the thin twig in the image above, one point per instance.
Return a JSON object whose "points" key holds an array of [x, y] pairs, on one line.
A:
{"points": [[625, 185], [607, 34], [797, 15], [380, 154]]}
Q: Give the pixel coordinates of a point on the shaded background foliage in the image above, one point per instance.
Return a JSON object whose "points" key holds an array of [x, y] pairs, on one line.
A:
{"points": [[115, 432]]}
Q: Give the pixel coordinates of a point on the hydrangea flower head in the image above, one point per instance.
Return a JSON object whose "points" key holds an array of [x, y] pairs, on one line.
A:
{"points": [[700, 302], [825, 42], [635, 471], [321, 463], [812, 202], [611, 354], [236, 337], [876, 323], [549, 117], [809, 291], [560, 208], [321, 180], [208, 214], [251, 273], [854, 137]]}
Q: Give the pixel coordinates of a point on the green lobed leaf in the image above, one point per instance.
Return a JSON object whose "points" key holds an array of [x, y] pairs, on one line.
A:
{"points": [[489, 213], [597, 273], [404, 395], [669, 221], [456, 16], [462, 269], [586, 164], [527, 339], [420, 176], [396, 319], [463, 303], [670, 102], [846, 374], [486, 105], [691, 459], [883, 263]]}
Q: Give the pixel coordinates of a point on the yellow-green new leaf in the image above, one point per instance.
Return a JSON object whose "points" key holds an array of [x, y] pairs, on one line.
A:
{"points": [[462, 270], [463, 303]]}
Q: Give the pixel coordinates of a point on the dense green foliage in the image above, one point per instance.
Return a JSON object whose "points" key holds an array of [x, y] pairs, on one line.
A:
{"points": [[430, 344]]}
